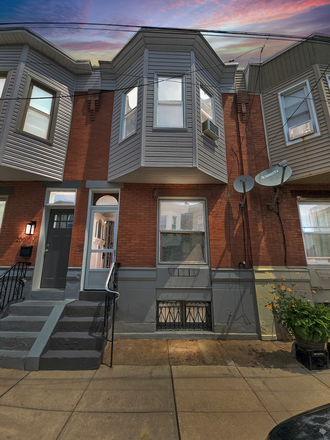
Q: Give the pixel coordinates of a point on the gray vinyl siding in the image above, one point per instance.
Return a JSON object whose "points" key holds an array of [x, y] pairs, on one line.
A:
{"points": [[166, 148], [240, 80], [324, 72], [9, 60], [211, 155], [32, 155], [310, 156], [86, 82], [125, 156]]}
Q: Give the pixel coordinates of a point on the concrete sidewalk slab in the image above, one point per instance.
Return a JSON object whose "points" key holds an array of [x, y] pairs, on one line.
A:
{"points": [[126, 389], [141, 426], [48, 390], [137, 352], [199, 352], [225, 426], [9, 378], [29, 424]]}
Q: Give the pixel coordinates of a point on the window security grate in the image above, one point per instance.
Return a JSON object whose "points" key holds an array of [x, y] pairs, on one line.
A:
{"points": [[184, 316]]}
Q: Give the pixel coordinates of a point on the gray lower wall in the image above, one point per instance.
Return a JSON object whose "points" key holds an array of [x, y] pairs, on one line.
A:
{"points": [[231, 291]]}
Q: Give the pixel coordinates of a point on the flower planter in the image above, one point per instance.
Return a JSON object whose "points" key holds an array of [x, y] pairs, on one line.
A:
{"points": [[309, 345]]}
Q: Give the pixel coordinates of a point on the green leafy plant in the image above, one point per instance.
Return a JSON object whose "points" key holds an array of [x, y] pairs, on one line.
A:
{"points": [[298, 316]]}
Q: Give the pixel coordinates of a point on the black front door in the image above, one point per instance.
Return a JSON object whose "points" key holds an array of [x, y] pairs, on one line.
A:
{"points": [[57, 248]]}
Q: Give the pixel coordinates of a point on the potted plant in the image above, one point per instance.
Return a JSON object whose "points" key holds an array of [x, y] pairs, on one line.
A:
{"points": [[309, 324]]}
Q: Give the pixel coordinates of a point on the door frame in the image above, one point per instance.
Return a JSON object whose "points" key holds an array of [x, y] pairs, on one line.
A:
{"points": [[39, 263], [107, 188]]}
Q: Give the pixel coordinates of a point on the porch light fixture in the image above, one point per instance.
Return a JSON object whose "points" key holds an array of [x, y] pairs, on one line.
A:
{"points": [[30, 228]]}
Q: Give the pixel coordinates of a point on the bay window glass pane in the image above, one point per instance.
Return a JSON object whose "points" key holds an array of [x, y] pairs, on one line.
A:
{"points": [[41, 100], [317, 245], [169, 102], [129, 124], [131, 100], [2, 84], [36, 123], [315, 217], [206, 106]]}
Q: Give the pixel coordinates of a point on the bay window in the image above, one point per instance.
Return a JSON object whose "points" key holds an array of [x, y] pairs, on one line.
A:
{"points": [[207, 106], [182, 231], [129, 116]]}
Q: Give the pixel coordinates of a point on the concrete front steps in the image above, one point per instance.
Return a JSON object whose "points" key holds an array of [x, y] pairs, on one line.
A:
{"points": [[77, 343], [20, 330]]}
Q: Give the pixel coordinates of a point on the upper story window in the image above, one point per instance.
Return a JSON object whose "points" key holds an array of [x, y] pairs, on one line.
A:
{"points": [[2, 83], [38, 114], [207, 106], [129, 113], [298, 112], [315, 225], [169, 102], [328, 79], [182, 231]]}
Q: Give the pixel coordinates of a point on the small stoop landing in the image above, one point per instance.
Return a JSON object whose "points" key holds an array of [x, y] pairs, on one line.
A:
{"points": [[77, 342]]}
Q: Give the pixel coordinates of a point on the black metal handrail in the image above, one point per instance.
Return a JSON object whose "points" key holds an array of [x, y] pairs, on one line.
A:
{"points": [[111, 296], [12, 283]]}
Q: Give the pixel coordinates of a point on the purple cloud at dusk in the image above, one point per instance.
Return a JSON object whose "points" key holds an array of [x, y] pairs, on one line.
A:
{"points": [[295, 17]]}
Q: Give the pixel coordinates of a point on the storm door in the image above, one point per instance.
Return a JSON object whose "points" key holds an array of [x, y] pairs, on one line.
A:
{"points": [[57, 248], [101, 246]]}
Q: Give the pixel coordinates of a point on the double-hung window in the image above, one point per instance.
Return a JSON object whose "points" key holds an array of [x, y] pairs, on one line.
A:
{"points": [[169, 102], [207, 106], [315, 225], [3, 78], [129, 113], [39, 111], [182, 231], [298, 112]]}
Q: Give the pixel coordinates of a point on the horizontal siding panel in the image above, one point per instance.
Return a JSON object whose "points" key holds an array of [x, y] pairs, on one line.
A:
{"points": [[126, 156], [307, 157], [31, 154], [211, 155], [173, 143], [86, 82]]}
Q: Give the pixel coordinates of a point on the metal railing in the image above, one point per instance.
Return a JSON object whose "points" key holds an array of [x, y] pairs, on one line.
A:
{"points": [[111, 296], [184, 316], [12, 283]]}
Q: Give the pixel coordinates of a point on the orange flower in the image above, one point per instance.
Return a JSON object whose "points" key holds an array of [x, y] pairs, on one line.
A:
{"points": [[297, 284], [293, 305], [271, 292], [274, 305], [260, 297], [290, 290], [277, 297], [313, 291], [283, 287], [269, 306], [298, 273], [266, 271]]}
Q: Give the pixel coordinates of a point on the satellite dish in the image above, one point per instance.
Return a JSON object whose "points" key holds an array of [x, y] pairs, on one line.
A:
{"points": [[243, 184], [274, 176]]}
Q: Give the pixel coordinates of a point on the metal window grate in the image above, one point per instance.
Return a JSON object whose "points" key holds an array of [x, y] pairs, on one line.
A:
{"points": [[184, 316]]}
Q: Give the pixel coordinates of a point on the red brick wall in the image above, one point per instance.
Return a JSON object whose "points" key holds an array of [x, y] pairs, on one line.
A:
{"points": [[24, 205]]}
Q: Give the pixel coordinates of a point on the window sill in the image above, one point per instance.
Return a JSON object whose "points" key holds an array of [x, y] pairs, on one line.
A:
{"points": [[36, 138], [302, 139], [171, 129], [127, 137]]}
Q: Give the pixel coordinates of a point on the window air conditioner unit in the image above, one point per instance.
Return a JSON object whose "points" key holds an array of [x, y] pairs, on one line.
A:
{"points": [[211, 130], [301, 130]]}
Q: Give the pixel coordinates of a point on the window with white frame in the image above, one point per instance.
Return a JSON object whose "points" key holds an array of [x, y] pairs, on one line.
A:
{"points": [[207, 106], [169, 102], [298, 112], [315, 225], [39, 111], [2, 209], [129, 117], [328, 79], [62, 197], [3, 78], [182, 240]]}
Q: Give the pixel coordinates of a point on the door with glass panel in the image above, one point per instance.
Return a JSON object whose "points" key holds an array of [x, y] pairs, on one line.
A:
{"points": [[101, 246]]}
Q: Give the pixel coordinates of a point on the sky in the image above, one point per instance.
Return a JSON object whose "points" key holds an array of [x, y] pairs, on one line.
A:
{"points": [[289, 17]]}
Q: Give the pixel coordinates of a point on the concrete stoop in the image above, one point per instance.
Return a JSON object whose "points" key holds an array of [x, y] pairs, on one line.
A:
{"points": [[77, 342], [20, 330]]}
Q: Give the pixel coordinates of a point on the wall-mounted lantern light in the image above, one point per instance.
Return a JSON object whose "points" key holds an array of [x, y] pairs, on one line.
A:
{"points": [[30, 228]]}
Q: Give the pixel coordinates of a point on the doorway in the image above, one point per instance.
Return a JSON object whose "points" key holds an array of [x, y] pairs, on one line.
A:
{"points": [[57, 249]]}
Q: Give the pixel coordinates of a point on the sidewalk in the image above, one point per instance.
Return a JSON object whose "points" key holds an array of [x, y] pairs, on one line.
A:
{"points": [[164, 390]]}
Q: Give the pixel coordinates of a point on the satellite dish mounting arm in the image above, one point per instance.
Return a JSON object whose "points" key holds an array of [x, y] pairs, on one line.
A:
{"points": [[282, 164], [244, 192]]}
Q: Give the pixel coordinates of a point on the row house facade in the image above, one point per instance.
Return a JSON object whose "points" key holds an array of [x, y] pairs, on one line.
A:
{"points": [[134, 161]]}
